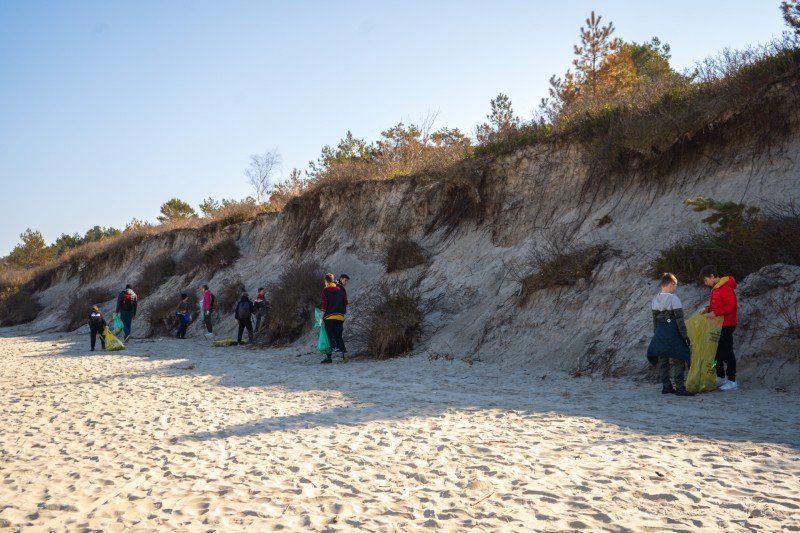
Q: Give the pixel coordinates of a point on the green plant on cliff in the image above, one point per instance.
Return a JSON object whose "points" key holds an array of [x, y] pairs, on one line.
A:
{"points": [[739, 240]]}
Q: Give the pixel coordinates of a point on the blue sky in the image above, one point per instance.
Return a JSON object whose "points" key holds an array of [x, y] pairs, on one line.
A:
{"points": [[108, 109]]}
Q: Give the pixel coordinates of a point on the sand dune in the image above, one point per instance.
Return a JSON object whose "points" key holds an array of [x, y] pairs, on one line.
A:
{"points": [[179, 435]]}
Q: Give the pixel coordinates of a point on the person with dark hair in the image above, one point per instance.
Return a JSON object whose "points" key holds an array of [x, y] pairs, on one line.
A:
{"points": [[127, 304], [260, 307], [97, 324], [670, 346], [184, 313], [243, 314], [207, 304], [723, 303], [334, 307]]}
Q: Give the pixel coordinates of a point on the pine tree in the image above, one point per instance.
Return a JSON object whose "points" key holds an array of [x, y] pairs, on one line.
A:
{"points": [[501, 121], [175, 209], [596, 45], [791, 14]]}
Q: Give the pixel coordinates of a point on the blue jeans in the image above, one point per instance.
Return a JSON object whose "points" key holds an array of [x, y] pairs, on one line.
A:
{"points": [[127, 318]]}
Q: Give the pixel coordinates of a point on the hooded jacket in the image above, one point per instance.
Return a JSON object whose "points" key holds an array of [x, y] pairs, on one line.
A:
{"points": [[334, 302], [723, 301]]}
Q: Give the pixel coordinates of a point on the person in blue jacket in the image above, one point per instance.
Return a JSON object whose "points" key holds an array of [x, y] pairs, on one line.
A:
{"points": [[670, 346]]}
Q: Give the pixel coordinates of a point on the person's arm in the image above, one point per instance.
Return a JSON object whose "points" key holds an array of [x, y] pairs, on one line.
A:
{"points": [[681, 323]]}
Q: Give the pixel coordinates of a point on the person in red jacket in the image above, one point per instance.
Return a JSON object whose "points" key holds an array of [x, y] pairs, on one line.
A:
{"points": [[723, 303]]}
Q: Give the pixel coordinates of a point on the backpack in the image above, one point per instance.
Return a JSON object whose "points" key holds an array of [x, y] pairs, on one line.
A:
{"points": [[243, 310], [127, 302]]}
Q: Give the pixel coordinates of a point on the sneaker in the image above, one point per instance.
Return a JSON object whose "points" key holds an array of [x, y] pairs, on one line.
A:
{"points": [[721, 382], [327, 360], [683, 392], [730, 385], [667, 390]]}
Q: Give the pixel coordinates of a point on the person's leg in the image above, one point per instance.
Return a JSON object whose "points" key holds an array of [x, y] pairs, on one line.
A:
{"points": [[329, 327], [332, 329], [92, 338], [249, 325], [340, 337], [207, 322], [663, 372], [241, 330], [258, 321], [726, 349], [719, 363], [127, 319], [181, 328], [679, 375]]}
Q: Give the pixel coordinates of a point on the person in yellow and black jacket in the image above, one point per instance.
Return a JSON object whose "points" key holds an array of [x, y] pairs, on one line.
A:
{"points": [[334, 307]]}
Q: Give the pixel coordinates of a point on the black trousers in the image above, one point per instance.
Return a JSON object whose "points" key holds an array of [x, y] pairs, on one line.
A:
{"points": [[93, 337], [245, 324], [335, 329], [207, 321], [260, 315], [182, 325], [726, 361]]}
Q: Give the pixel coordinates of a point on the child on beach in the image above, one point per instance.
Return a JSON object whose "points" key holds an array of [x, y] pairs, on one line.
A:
{"points": [[670, 344], [184, 315], [97, 324], [723, 303]]}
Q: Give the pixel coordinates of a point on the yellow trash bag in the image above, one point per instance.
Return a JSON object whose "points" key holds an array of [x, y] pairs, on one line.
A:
{"points": [[704, 335], [112, 343]]}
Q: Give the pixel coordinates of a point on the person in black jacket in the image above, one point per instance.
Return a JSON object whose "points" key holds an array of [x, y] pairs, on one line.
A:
{"points": [[244, 313], [334, 307], [97, 324]]}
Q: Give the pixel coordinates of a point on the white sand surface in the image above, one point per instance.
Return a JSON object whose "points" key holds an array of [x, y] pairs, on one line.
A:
{"points": [[178, 435]]}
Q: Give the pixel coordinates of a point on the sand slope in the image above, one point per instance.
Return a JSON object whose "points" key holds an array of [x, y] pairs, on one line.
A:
{"points": [[198, 438]]}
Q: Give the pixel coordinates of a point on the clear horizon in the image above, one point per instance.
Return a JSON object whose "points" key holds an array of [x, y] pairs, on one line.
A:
{"points": [[108, 110]]}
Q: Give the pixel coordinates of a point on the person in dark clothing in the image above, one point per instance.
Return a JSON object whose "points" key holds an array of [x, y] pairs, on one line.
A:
{"points": [[334, 307], [244, 313], [97, 324], [342, 283], [184, 313], [127, 304], [260, 307]]}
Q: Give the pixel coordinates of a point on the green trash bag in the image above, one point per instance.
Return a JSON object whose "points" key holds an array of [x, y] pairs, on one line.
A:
{"points": [[116, 326], [112, 342], [704, 334], [324, 343]]}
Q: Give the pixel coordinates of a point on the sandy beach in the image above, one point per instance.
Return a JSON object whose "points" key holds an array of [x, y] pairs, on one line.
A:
{"points": [[179, 435]]}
